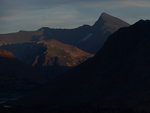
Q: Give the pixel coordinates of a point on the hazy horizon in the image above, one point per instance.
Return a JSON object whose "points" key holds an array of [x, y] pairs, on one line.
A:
{"points": [[33, 14]]}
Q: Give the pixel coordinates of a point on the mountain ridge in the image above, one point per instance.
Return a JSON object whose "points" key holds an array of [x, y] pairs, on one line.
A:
{"points": [[74, 36]]}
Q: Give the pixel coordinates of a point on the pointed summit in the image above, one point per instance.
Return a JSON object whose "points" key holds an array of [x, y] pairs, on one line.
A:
{"points": [[108, 17], [105, 15], [109, 22]]}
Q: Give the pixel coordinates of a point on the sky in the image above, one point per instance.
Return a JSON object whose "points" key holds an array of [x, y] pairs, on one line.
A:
{"points": [[28, 15]]}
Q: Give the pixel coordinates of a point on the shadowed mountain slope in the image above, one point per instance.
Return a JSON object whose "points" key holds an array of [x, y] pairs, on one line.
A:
{"points": [[66, 55], [16, 77], [50, 57], [59, 57]]}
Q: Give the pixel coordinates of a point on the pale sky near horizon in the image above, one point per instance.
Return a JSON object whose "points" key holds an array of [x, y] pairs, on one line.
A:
{"points": [[18, 15]]}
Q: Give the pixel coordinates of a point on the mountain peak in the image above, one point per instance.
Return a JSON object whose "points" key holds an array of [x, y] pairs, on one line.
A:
{"points": [[105, 15], [109, 18], [110, 22]]}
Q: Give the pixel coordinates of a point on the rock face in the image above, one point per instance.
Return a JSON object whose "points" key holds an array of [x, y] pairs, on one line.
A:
{"points": [[61, 54], [116, 78], [16, 77], [59, 57], [87, 38]]}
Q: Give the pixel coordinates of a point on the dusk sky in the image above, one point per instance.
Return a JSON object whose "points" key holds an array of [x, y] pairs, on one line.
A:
{"points": [[18, 15]]}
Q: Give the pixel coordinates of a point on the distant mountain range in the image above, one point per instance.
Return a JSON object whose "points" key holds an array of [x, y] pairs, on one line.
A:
{"points": [[116, 79], [87, 38]]}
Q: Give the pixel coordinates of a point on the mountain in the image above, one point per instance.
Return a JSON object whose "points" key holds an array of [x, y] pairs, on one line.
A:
{"points": [[49, 57], [61, 54], [100, 31], [87, 38], [16, 78], [109, 23], [58, 58], [115, 80]]}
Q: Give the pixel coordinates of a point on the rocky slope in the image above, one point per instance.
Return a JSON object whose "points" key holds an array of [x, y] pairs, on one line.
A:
{"points": [[49, 57]]}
